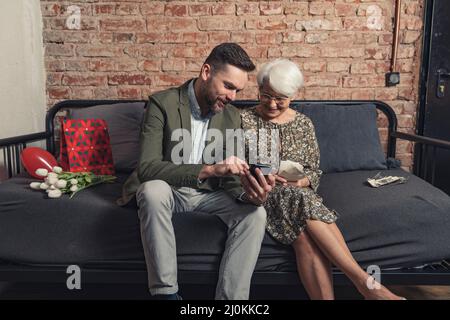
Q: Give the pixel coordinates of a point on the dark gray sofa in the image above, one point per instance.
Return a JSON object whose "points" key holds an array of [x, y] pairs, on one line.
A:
{"points": [[402, 228]]}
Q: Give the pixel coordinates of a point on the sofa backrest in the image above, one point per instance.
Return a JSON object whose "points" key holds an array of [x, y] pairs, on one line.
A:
{"points": [[347, 134], [124, 124]]}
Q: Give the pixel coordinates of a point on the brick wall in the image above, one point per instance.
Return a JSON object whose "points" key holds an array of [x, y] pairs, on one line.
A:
{"points": [[131, 48]]}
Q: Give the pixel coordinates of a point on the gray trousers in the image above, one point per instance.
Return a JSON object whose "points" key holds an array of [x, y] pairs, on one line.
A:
{"points": [[158, 201]]}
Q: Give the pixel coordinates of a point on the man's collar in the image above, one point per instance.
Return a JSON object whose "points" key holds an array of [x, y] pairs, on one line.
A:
{"points": [[193, 103]]}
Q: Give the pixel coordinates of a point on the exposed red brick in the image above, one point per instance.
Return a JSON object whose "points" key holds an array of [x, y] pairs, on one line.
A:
{"points": [[129, 93], [122, 37], [82, 93], [104, 9], [321, 8], [54, 78], [223, 9], [127, 9], [173, 65], [168, 80], [345, 9], [105, 93], [220, 24], [176, 10], [317, 94], [218, 37], [293, 36], [247, 9], [411, 23], [270, 8], [297, 9], [130, 79], [268, 38], [126, 65], [54, 65], [338, 66], [362, 94], [132, 48], [58, 50], [363, 81], [315, 66], [386, 94], [99, 51], [83, 79], [59, 93], [122, 24], [101, 65], [243, 37], [159, 24], [199, 10], [150, 65], [76, 65], [152, 8], [195, 37], [410, 36], [322, 80]]}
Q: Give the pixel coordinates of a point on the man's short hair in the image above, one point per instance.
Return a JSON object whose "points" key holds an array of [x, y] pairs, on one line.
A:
{"points": [[229, 53]]}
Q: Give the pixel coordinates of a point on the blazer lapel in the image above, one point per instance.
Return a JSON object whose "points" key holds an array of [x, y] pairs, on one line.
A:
{"points": [[184, 108], [215, 121]]}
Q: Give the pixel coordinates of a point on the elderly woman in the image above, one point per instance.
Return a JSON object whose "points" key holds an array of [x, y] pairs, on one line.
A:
{"points": [[296, 215]]}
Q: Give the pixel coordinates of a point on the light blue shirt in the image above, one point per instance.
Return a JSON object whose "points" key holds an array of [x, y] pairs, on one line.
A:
{"points": [[199, 127]]}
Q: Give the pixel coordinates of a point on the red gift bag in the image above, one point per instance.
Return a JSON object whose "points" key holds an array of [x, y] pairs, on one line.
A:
{"points": [[85, 146]]}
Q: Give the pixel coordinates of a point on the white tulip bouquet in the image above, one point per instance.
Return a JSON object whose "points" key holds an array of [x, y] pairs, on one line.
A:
{"points": [[57, 182]]}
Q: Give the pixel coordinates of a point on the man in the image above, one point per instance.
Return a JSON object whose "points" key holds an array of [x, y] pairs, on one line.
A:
{"points": [[225, 189]]}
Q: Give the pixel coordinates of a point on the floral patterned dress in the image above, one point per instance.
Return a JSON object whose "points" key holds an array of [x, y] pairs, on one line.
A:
{"points": [[288, 207]]}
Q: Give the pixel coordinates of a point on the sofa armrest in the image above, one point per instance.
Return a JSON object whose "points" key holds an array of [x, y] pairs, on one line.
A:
{"points": [[438, 143], [427, 162], [13, 146]]}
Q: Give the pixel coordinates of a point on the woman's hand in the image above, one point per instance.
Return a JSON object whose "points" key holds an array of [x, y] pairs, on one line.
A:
{"points": [[301, 183], [280, 179]]}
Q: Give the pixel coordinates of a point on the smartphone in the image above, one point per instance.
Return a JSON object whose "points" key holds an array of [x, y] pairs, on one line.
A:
{"points": [[266, 169]]}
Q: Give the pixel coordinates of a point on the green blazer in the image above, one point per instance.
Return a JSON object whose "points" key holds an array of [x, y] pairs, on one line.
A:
{"points": [[166, 111]]}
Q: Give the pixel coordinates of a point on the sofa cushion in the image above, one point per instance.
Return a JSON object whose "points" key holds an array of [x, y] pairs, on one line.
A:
{"points": [[124, 125], [402, 225], [347, 136], [393, 226]]}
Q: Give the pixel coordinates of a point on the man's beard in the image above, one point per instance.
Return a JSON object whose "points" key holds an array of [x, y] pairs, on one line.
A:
{"points": [[215, 105]]}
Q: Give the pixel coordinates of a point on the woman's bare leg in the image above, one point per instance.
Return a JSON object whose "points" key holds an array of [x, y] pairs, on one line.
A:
{"points": [[313, 268], [329, 239]]}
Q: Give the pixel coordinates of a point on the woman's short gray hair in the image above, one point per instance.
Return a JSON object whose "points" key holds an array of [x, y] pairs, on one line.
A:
{"points": [[283, 76]]}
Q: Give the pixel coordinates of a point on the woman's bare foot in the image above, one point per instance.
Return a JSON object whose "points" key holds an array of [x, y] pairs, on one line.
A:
{"points": [[373, 290]]}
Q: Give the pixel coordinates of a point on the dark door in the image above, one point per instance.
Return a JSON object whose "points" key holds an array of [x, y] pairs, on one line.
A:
{"points": [[434, 113]]}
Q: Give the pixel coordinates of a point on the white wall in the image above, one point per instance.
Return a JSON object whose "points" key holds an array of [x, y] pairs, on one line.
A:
{"points": [[22, 73]]}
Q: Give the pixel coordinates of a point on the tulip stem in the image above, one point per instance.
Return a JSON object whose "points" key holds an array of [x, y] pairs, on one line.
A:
{"points": [[108, 179]]}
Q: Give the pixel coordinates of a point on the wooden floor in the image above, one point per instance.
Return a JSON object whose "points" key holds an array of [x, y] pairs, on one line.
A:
{"points": [[423, 292], [10, 291]]}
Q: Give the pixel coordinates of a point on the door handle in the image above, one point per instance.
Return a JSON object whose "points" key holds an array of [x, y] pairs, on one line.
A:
{"points": [[442, 75]]}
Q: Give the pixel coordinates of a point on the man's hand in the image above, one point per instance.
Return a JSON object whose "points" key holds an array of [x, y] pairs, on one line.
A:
{"points": [[228, 167], [257, 190]]}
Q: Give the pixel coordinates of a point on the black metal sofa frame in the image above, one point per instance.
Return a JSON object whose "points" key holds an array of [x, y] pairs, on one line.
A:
{"points": [[120, 272]]}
